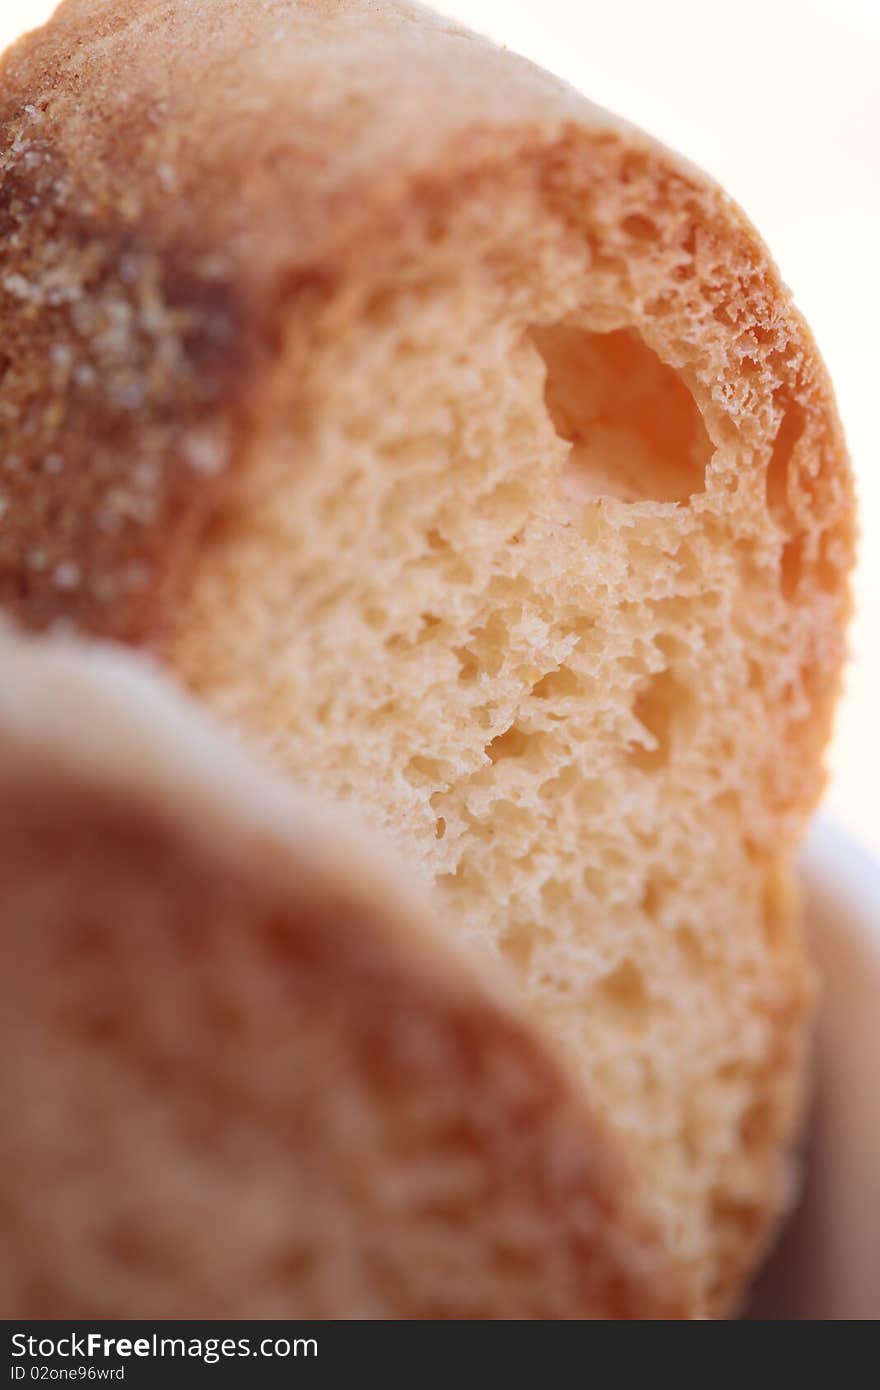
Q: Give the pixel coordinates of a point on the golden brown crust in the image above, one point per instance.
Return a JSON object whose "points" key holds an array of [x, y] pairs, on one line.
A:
{"points": [[240, 1080], [227, 172]]}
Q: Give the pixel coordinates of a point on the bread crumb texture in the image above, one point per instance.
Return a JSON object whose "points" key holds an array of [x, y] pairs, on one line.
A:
{"points": [[545, 582], [527, 530]]}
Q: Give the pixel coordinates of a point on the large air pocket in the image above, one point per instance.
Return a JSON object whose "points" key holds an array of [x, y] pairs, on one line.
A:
{"points": [[634, 428]]}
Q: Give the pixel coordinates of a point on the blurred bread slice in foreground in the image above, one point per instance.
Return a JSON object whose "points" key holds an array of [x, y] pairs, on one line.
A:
{"points": [[462, 446], [243, 1075]]}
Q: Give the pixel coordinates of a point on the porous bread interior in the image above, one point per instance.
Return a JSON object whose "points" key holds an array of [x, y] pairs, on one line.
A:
{"points": [[522, 563]]}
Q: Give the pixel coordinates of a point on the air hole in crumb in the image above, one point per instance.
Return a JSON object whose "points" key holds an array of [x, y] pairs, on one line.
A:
{"points": [[634, 428], [488, 649], [511, 744], [624, 989], [639, 227], [791, 428], [375, 617], [660, 307], [440, 828], [594, 880], [691, 947], [662, 705], [654, 894], [469, 667], [557, 683], [764, 334], [429, 621], [555, 895], [730, 804], [421, 771]]}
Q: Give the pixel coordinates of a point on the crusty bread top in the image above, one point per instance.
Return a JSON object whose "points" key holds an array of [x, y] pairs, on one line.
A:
{"points": [[185, 186], [257, 1083], [219, 119]]}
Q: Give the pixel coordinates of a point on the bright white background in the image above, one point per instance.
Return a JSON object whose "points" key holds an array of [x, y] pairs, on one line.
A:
{"points": [[780, 100]]}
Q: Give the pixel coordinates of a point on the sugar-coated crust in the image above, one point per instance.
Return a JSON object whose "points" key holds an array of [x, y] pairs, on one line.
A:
{"points": [[182, 186], [185, 191], [215, 1003]]}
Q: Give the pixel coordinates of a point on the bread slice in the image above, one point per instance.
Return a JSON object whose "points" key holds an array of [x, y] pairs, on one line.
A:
{"points": [[244, 1074], [461, 445]]}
